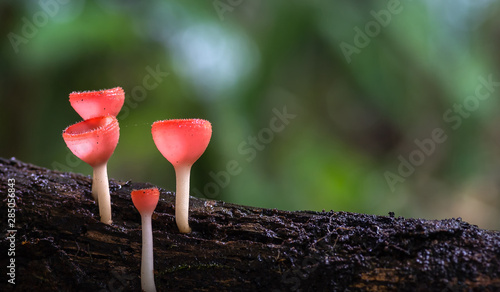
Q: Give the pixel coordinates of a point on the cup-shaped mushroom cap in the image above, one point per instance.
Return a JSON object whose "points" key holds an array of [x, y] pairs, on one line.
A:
{"points": [[93, 140], [182, 141], [145, 200], [91, 104]]}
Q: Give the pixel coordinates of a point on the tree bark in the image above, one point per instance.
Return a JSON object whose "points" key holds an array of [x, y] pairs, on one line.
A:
{"points": [[60, 245]]}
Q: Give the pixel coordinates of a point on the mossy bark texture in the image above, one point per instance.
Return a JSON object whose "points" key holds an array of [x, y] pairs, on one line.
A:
{"points": [[60, 244]]}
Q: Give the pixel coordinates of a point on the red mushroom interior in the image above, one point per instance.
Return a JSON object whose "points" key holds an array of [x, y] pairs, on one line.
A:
{"points": [[182, 141], [145, 200], [91, 104], [93, 140]]}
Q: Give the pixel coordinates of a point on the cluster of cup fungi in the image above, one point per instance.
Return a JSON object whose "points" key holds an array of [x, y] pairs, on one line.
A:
{"points": [[180, 141]]}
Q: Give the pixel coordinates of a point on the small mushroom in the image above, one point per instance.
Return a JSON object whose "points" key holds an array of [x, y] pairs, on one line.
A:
{"points": [[91, 104], [182, 142], [145, 202], [94, 141]]}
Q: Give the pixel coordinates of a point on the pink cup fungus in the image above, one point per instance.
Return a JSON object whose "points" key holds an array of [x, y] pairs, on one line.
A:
{"points": [[91, 104], [94, 141], [99, 103], [145, 202], [182, 142]]}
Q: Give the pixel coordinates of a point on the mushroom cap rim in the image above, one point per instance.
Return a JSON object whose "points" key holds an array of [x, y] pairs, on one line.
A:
{"points": [[101, 129], [182, 122], [115, 93]]}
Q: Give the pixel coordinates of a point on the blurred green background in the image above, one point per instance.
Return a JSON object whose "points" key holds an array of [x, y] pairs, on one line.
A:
{"points": [[358, 82]]}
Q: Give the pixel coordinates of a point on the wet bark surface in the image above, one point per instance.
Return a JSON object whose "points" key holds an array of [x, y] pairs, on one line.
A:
{"points": [[60, 245]]}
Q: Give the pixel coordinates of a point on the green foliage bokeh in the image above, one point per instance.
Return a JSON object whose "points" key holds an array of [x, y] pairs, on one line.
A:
{"points": [[241, 65]]}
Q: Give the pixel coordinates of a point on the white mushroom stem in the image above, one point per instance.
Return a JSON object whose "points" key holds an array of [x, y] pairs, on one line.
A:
{"points": [[147, 264], [182, 173], [102, 187], [94, 189]]}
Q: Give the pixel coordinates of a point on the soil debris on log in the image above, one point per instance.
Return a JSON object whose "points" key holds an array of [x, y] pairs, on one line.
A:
{"points": [[60, 245]]}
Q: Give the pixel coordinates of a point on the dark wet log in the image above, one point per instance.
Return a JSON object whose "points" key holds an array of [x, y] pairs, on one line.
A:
{"points": [[60, 245]]}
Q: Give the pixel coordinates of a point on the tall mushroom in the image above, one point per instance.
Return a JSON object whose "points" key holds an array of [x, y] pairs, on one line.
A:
{"points": [[99, 103], [94, 141], [182, 142], [145, 202]]}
